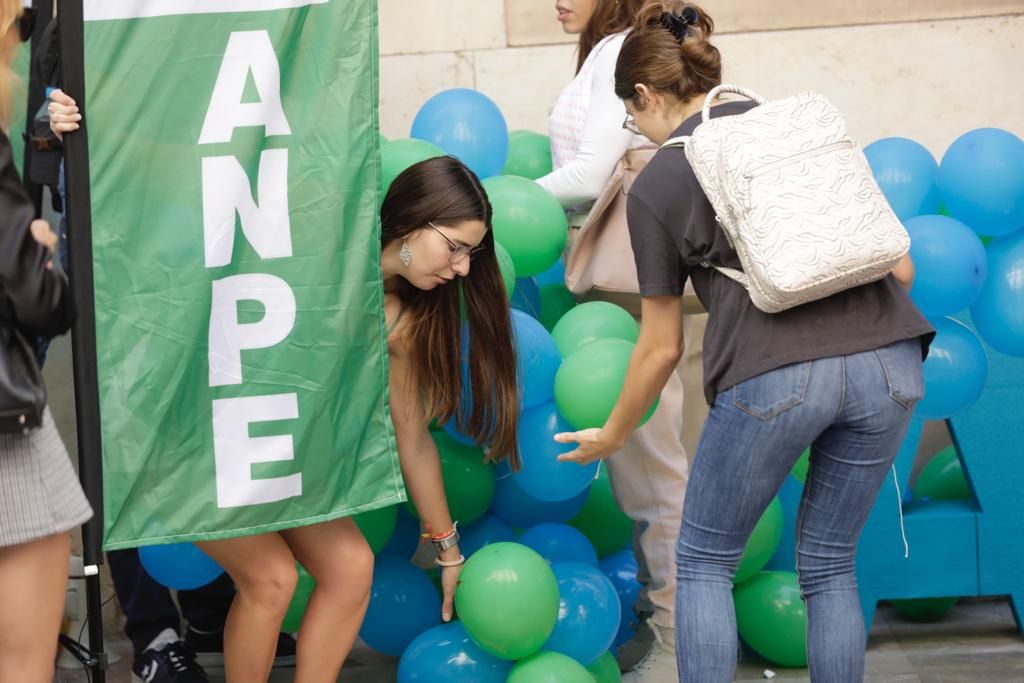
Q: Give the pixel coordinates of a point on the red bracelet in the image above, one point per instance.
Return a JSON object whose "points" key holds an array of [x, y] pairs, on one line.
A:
{"points": [[438, 537]]}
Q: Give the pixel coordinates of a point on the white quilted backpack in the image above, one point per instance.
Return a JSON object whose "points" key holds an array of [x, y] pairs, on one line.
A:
{"points": [[796, 199]]}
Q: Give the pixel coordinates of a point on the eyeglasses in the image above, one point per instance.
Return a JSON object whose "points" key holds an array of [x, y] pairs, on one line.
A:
{"points": [[26, 24], [458, 251], [630, 125]]}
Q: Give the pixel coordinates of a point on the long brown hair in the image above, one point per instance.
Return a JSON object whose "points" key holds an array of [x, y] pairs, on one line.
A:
{"points": [[444, 190], [610, 16], [654, 56], [10, 10]]}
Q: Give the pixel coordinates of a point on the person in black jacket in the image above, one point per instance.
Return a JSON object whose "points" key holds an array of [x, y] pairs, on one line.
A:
{"points": [[40, 497]]}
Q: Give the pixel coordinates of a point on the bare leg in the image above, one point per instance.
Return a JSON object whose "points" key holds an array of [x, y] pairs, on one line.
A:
{"points": [[338, 557], [264, 573], [33, 581]]}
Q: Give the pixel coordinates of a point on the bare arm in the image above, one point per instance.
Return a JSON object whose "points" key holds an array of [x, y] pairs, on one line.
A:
{"points": [[904, 272], [421, 464]]}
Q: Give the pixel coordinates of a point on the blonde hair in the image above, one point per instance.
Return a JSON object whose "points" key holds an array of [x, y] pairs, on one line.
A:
{"points": [[10, 10]]}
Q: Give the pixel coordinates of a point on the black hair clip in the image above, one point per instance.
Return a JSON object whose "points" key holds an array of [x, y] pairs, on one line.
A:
{"points": [[677, 24]]}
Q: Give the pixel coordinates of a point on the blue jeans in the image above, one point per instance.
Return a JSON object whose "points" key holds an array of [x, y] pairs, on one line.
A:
{"points": [[854, 411]]}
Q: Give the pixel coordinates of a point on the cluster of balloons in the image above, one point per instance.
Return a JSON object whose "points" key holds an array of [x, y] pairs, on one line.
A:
{"points": [[965, 217], [546, 546]]}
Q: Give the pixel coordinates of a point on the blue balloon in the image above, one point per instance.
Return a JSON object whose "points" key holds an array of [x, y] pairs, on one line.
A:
{"points": [[588, 612], [555, 275], [537, 359], [446, 654], [466, 124], [954, 372], [621, 570], [484, 531], [949, 263], [182, 566], [521, 510], [543, 475], [403, 604], [906, 172], [998, 314], [406, 537], [981, 180], [559, 543], [526, 297]]}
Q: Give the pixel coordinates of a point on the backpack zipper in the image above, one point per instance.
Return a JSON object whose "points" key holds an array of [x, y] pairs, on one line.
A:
{"points": [[844, 144]]}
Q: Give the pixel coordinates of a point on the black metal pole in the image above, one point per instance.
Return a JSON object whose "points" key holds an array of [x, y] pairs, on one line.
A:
{"points": [[83, 341]]}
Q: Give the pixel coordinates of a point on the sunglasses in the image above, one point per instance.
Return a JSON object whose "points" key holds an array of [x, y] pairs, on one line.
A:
{"points": [[26, 24]]}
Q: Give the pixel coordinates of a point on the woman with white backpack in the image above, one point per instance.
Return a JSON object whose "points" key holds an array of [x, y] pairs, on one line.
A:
{"points": [[811, 339]]}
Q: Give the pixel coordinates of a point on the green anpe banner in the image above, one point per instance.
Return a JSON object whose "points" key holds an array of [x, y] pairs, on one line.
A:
{"points": [[240, 333]]}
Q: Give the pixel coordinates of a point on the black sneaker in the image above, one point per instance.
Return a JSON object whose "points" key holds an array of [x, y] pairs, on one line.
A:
{"points": [[174, 662], [209, 649]]}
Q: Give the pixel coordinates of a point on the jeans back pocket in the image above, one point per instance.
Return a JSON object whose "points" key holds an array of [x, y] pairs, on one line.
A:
{"points": [[774, 392], [903, 368]]}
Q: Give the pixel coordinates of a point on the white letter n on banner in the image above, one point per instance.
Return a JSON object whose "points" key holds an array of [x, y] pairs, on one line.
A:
{"points": [[235, 451], [246, 51], [226, 191], [228, 337]]}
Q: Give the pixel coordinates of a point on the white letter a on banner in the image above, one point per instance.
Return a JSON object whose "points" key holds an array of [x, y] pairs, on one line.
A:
{"points": [[246, 51]]}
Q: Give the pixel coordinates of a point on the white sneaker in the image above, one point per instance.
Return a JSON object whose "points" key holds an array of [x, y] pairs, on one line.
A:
{"points": [[659, 666]]}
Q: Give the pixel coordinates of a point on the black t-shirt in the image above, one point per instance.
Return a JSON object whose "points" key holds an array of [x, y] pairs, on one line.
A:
{"points": [[673, 229]]}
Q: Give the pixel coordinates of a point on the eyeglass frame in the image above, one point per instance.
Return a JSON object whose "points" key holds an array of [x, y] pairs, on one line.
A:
{"points": [[458, 251], [629, 123]]}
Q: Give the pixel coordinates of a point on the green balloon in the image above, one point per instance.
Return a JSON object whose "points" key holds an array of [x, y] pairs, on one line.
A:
{"points": [[762, 542], [528, 221], [529, 154], [468, 480], [592, 321], [601, 521], [588, 382], [377, 526], [605, 669], [801, 466], [924, 609], [398, 155], [300, 598], [772, 618], [549, 667], [507, 268], [508, 600], [555, 301], [943, 478]]}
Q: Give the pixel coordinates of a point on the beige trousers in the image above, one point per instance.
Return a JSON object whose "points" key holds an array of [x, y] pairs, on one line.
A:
{"points": [[649, 474]]}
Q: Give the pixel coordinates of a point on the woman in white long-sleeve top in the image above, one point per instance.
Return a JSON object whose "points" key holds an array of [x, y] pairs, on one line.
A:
{"points": [[649, 473]]}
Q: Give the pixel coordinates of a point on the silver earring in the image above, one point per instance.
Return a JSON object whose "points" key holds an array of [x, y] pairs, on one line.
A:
{"points": [[405, 254]]}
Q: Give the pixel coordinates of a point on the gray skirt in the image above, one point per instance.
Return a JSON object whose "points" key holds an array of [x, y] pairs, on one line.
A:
{"points": [[39, 491]]}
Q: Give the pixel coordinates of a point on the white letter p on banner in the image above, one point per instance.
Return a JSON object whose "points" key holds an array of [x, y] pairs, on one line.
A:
{"points": [[228, 337]]}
